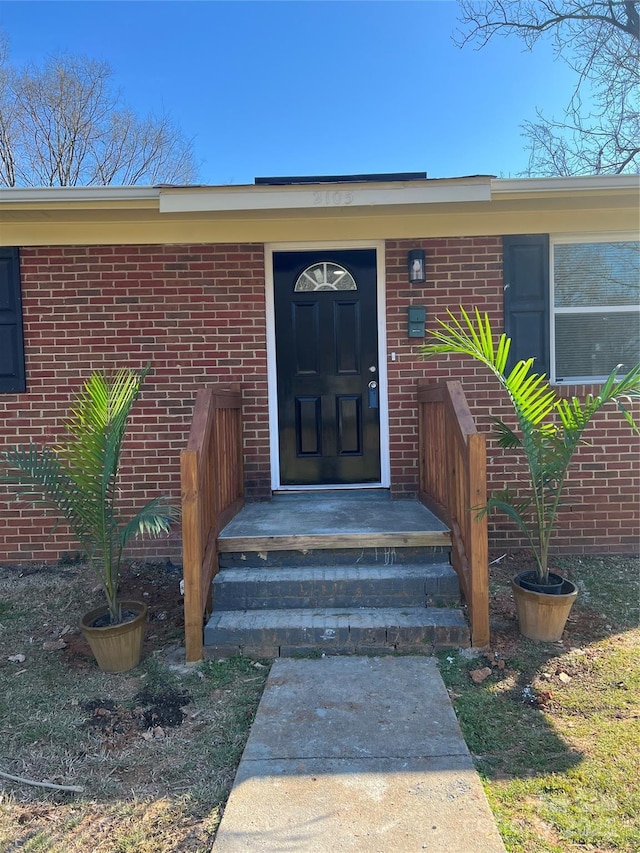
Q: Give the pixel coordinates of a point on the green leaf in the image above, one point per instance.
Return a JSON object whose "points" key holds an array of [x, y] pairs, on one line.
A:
{"points": [[79, 477], [550, 427], [154, 519]]}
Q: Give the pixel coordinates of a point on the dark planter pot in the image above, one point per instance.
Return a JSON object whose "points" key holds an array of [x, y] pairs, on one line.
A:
{"points": [[117, 648], [528, 580], [542, 616]]}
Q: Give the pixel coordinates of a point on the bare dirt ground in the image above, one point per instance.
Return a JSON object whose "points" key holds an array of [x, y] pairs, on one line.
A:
{"points": [[158, 585], [586, 623], [154, 750]]}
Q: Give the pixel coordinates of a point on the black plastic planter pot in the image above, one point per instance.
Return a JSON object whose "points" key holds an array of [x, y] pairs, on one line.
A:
{"points": [[528, 580]]}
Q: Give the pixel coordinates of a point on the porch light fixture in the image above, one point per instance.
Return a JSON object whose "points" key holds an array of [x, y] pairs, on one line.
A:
{"points": [[416, 266]]}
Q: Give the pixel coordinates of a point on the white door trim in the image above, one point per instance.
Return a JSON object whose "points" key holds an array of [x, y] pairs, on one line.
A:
{"points": [[385, 464]]}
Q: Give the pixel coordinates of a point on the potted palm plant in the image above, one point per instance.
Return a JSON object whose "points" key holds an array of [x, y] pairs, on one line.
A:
{"points": [[550, 428], [78, 479]]}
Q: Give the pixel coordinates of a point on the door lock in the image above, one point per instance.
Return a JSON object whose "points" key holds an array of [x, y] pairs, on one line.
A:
{"points": [[373, 394]]}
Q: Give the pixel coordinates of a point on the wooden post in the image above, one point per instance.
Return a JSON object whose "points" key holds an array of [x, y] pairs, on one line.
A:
{"points": [[192, 555], [212, 493], [478, 542], [452, 459]]}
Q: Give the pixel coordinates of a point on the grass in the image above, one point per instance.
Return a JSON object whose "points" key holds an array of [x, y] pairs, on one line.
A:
{"points": [[555, 729], [147, 788]]}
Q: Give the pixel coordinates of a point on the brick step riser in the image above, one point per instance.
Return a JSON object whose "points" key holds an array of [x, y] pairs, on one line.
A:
{"points": [[285, 594], [337, 636], [333, 557]]}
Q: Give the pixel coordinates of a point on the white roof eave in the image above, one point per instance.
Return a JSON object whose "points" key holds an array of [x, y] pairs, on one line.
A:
{"points": [[566, 185], [67, 195], [322, 196]]}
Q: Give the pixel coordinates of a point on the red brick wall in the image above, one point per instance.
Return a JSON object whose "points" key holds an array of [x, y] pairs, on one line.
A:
{"points": [[460, 271], [197, 313], [601, 511]]}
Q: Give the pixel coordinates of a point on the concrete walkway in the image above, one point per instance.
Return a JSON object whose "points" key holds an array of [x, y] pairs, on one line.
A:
{"points": [[356, 754]]}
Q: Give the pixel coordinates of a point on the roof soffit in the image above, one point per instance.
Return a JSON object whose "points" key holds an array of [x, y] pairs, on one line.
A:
{"points": [[323, 196]]}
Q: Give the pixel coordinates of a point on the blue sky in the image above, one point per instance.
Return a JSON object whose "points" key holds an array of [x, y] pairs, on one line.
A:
{"points": [[306, 88]]}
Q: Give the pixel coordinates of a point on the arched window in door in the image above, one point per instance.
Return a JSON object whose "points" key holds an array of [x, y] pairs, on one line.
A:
{"points": [[324, 276]]}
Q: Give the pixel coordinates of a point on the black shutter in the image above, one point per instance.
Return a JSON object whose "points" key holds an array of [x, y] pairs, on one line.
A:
{"points": [[12, 373], [526, 298]]}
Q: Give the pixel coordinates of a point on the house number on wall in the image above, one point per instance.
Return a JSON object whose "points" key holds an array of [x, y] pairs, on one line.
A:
{"points": [[332, 198]]}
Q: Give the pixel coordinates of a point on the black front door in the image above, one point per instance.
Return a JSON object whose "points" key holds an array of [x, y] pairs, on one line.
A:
{"points": [[327, 367]]}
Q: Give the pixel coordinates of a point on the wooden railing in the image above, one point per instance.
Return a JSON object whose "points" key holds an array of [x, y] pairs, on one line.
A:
{"points": [[453, 479], [211, 473]]}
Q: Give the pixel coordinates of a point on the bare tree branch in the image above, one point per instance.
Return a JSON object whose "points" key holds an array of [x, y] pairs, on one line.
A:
{"points": [[63, 124], [530, 18], [600, 42]]}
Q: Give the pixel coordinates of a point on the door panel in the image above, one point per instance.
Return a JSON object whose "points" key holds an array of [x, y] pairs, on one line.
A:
{"points": [[326, 356], [308, 426], [349, 425], [347, 325], [306, 333]]}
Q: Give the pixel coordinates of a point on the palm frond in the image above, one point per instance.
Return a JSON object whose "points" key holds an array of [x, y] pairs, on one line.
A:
{"points": [[42, 479], [551, 427], [153, 520], [79, 477], [507, 438], [507, 501]]}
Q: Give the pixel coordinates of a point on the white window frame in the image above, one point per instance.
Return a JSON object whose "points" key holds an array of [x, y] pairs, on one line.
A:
{"points": [[563, 239]]}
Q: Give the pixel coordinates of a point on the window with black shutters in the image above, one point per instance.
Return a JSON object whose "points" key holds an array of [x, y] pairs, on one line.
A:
{"points": [[573, 303]]}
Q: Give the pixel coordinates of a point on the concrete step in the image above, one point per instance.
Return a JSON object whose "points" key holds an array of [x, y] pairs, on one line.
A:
{"points": [[338, 556], [327, 520], [334, 630], [427, 584]]}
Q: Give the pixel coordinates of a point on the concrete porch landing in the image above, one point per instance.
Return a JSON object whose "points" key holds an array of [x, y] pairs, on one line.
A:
{"points": [[348, 519]]}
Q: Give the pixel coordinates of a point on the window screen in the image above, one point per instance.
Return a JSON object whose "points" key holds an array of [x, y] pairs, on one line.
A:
{"points": [[596, 307]]}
